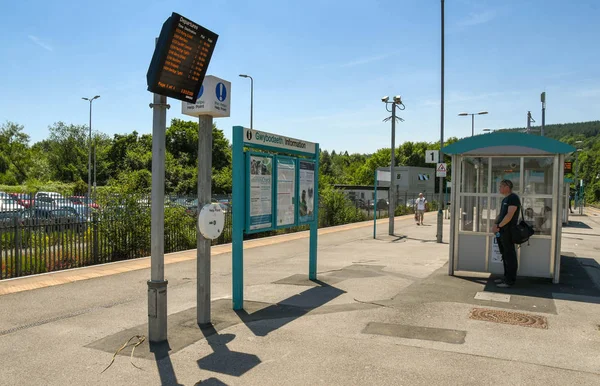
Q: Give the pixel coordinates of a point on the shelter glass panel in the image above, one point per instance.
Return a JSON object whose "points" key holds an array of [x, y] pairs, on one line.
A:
{"points": [[474, 214], [475, 175], [508, 168], [538, 213], [539, 175]]}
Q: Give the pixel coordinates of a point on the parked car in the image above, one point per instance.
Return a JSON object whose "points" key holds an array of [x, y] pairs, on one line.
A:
{"points": [[382, 204], [84, 211], [26, 217], [81, 200], [361, 203], [23, 198], [8, 202], [51, 200], [7, 218], [61, 218]]}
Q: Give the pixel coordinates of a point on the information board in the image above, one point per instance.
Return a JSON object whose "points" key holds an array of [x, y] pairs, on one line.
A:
{"points": [[286, 191], [180, 60], [307, 191], [261, 192], [568, 167]]}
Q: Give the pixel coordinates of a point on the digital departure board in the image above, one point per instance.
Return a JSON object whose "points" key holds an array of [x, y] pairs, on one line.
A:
{"points": [[180, 59]]}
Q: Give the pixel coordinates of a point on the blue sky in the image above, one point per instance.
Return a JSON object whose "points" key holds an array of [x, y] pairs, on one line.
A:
{"points": [[320, 67]]}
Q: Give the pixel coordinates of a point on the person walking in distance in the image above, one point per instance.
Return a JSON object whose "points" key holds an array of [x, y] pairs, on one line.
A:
{"points": [[506, 220], [420, 204]]}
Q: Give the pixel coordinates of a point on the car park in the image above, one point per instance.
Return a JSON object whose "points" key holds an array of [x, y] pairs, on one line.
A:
{"points": [[23, 198], [81, 200], [9, 203]]}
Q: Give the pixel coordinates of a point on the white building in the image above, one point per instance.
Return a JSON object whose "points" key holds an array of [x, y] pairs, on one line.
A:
{"points": [[410, 181]]}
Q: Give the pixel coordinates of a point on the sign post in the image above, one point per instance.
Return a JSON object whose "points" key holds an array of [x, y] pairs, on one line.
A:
{"points": [[272, 191], [213, 100], [157, 285], [177, 69]]}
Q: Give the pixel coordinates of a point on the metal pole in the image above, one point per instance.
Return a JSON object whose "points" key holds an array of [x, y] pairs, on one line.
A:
{"points": [[375, 208], [472, 125], [314, 226], [528, 122], [543, 117], [251, 102], [440, 217], [205, 124], [95, 167], [157, 285], [392, 192], [89, 193]]}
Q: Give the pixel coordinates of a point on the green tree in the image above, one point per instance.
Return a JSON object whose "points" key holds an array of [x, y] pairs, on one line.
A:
{"points": [[15, 154], [68, 152]]}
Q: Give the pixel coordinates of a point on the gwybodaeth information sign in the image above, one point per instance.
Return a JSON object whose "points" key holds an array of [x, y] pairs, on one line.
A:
{"points": [[180, 59]]}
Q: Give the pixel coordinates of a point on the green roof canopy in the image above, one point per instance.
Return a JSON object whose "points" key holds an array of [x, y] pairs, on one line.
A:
{"points": [[508, 143]]}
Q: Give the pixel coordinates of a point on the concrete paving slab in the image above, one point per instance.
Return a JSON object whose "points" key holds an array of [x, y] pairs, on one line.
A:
{"points": [[492, 297], [416, 332]]}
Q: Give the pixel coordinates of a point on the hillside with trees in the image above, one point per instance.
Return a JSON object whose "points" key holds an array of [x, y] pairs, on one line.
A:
{"points": [[586, 137], [125, 159]]}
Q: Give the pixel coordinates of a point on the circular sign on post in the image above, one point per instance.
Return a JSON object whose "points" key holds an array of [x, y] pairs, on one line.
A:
{"points": [[210, 221]]}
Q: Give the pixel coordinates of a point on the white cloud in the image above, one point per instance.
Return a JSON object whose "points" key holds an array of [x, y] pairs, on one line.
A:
{"points": [[477, 18], [37, 41], [366, 60]]}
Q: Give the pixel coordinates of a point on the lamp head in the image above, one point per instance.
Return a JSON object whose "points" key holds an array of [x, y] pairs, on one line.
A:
{"points": [[398, 99], [463, 114], [385, 99]]}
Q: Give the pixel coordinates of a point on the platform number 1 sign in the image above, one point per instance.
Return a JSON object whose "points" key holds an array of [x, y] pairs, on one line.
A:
{"points": [[432, 156]]}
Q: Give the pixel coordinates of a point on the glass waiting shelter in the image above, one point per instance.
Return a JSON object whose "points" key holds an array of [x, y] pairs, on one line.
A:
{"points": [[535, 166], [566, 200]]}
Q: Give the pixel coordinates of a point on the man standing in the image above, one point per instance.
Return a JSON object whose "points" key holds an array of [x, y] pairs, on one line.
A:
{"points": [[506, 220], [420, 208]]}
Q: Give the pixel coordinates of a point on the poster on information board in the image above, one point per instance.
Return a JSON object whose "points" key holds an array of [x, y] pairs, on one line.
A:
{"points": [[286, 191], [261, 192], [307, 191]]}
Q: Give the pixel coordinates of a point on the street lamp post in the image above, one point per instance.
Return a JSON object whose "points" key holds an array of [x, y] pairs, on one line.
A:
{"points": [[440, 217], [529, 120], [251, 97], [89, 193], [397, 103], [543, 100], [473, 119], [577, 183]]}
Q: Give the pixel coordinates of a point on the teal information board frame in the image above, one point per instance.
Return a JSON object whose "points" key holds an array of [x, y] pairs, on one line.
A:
{"points": [[248, 143]]}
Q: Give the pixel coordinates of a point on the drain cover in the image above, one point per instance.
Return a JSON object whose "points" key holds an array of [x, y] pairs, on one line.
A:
{"points": [[507, 317]]}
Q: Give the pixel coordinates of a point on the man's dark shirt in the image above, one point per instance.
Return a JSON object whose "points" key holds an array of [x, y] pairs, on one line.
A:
{"points": [[510, 200]]}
